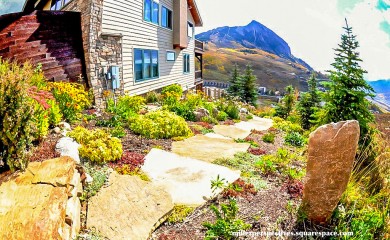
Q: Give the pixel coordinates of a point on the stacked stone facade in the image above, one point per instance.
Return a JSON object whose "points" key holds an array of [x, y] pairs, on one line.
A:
{"points": [[101, 51]]}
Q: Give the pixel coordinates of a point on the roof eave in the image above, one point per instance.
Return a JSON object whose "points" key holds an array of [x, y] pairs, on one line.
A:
{"points": [[195, 13]]}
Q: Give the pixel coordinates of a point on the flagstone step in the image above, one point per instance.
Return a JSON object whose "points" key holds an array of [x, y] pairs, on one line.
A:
{"points": [[231, 131], [186, 179], [257, 123], [208, 149]]}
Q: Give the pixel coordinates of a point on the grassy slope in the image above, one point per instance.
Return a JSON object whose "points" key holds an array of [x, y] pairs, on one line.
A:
{"points": [[272, 71]]}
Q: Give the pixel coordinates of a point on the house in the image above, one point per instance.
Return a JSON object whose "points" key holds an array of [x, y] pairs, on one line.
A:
{"points": [[135, 46]]}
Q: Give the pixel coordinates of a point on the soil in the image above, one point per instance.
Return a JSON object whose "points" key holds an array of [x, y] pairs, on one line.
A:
{"points": [[266, 211], [383, 123]]}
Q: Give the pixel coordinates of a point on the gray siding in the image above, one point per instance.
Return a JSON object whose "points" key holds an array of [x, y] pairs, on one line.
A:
{"points": [[126, 17]]}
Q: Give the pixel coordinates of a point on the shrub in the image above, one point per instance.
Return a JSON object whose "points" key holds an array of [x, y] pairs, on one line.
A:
{"points": [[171, 94], [72, 98], [175, 88], [152, 97], [184, 110], [16, 114], [118, 132], [269, 138], [222, 116], [160, 125], [294, 139], [286, 126], [179, 213], [226, 222], [114, 121], [97, 146], [232, 111], [126, 106], [209, 119]]}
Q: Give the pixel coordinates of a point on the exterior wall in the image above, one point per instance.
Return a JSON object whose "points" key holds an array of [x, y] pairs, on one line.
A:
{"points": [[126, 18]]}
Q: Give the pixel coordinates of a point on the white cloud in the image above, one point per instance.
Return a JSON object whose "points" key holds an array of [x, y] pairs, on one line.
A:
{"points": [[311, 27]]}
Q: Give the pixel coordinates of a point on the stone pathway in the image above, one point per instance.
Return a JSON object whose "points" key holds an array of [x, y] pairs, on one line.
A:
{"points": [[187, 180], [128, 208]]}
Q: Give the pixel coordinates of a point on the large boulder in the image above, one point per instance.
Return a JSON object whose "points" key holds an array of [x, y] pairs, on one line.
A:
{"points": [[42, 202], [128, 208], [331, 153]]}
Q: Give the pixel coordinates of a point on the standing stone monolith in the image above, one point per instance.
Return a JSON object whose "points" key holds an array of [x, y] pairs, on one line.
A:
{"points": [[331, 153]]}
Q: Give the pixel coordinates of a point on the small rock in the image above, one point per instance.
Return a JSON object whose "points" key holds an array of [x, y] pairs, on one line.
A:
{"points": [[57, 130], [88, 178], [200, 113], [65, 126], [66, 146], [215, 112], [244, 110]]}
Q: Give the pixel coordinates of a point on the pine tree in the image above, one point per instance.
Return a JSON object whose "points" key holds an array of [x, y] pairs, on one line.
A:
{"points": [[309, 103], [248, 89], [286, 106], [348, 89], [235, 83]]}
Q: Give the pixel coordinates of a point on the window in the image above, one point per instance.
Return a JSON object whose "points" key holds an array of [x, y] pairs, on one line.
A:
{"points": [[145, 64], [186, 61], [166, 17], [171, 56], [58, 4], [151, 11], [190, 30]]}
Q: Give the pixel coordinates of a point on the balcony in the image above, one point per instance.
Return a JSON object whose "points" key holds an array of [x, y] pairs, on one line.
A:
{"points": [[199, 46]]}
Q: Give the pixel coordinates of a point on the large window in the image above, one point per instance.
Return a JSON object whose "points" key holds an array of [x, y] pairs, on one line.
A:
{"points": [[166, 17], [145, 64], [58, 4], [151, 11], [186, 67]]}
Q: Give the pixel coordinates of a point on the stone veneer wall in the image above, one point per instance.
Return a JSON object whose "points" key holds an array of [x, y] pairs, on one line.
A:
{"points": [[100, 50]]}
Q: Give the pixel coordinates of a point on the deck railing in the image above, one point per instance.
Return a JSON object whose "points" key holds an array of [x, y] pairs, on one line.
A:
{"points": [[199, 45]]}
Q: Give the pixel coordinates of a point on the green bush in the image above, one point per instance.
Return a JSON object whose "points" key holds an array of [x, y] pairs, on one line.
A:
{"points": [[152, 97], [16, 114], [175, 88], [126, 106], [96, 145], [222, 116], [118, 132], [294, 139], [232, 111], [160, 125], [226, 222], [209, 119], [269, 138], [286, 126], [184, 110]]}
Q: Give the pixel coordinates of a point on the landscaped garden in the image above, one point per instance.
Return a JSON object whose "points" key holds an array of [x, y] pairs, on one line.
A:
{"points": [[35, 114]]}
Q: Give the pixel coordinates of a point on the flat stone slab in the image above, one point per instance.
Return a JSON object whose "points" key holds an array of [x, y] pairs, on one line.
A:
{"points": [[218, 136], [128, 208], [208, 149], [257, 123], [231, 131], [187, 180], [34, 204]]}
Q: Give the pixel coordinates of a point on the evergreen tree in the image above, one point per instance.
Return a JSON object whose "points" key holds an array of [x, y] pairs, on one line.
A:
{"points": [[346, 99], [235, 83], [286, 106], [248, 89], [309, 103]]}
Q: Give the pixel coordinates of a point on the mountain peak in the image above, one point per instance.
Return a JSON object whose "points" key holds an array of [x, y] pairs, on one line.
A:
{"points": [[254, 23]]}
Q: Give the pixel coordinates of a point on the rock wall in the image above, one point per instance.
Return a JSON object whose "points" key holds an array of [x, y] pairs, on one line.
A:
{"points": [[100, 50], [42, 202]]}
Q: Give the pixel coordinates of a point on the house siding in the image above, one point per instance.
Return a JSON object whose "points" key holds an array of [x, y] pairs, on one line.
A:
{"points": [[126, 18]]}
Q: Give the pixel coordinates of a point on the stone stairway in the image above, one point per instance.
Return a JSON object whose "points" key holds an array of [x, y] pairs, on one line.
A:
{"points": [[52, 40]]}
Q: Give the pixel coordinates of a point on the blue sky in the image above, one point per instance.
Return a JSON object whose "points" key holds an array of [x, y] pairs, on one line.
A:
{"points": [[311, 27]]}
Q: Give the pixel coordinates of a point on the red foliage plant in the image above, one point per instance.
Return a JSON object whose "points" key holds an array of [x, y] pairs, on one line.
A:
{"points": [[294, 188], [205, 125], [240, 188], [40, 96], [256, 151], [228, 122], [132, 159], [254, 131]]}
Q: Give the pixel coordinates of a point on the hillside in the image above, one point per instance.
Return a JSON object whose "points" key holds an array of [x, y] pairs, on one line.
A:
{"points": [[254, 44], [382, 89]]}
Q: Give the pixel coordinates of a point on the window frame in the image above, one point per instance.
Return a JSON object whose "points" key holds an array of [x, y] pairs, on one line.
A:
{"points": [[186, 63], [62, 5], [192, 29], [167, 20], [151, 67], [174, 56], [150, 20]]}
